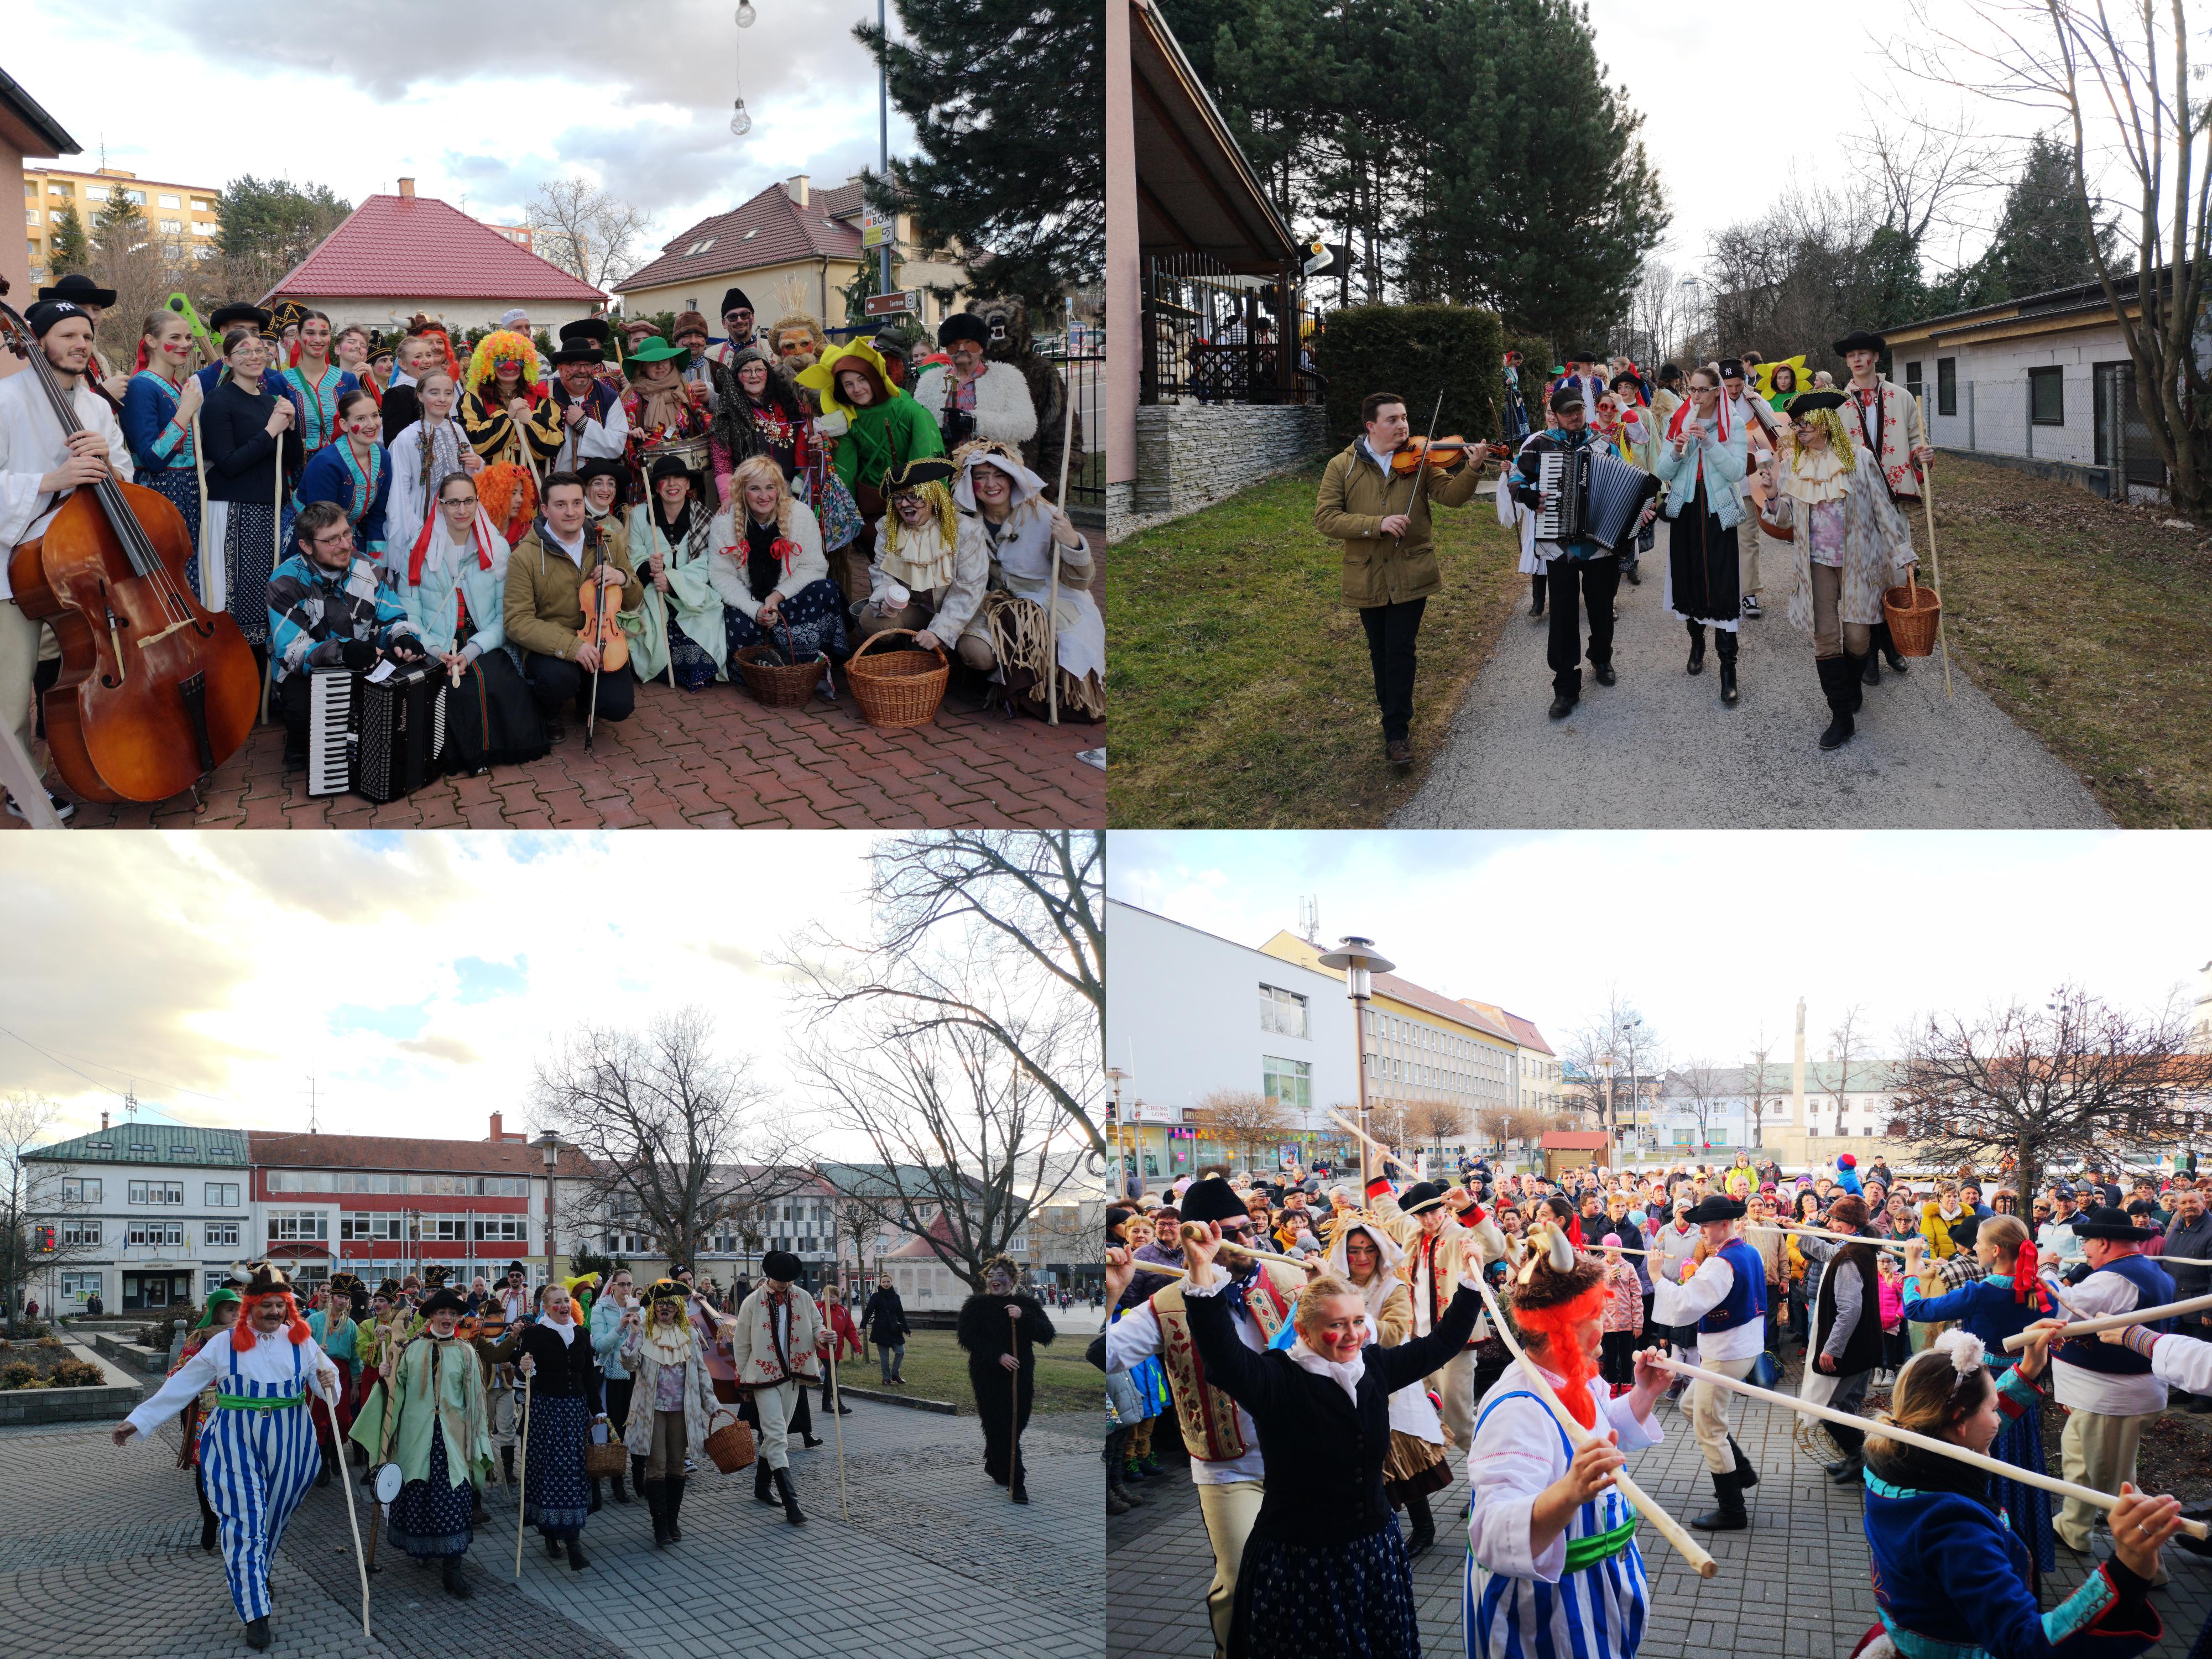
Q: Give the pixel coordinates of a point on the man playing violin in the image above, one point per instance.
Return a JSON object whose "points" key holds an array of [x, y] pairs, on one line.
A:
{"points": [[39, 468], [545, 579], [1381, 516]]}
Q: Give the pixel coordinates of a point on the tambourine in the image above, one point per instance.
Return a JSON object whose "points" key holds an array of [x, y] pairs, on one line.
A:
{"points": [[389, 1480]]}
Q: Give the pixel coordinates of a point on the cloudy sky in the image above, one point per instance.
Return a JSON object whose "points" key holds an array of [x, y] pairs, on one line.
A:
{"points": [[1708, 934], [417, 977], [475, 101]]}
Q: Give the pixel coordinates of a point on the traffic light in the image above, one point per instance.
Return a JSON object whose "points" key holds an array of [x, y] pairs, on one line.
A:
{"points": [[43, 1239]]}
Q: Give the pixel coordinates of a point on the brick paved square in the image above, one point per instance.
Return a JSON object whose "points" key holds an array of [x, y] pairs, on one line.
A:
{"points": [[101, 1557], [1796, 1584], [712, 759]]}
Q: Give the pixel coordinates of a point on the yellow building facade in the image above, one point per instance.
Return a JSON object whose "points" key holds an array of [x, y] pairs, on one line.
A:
{"points": [[183, 214]]}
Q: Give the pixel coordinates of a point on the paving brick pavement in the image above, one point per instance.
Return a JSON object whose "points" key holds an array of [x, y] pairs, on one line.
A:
{"points": [[101, 1558], [1793, 1587], [713, 759]]}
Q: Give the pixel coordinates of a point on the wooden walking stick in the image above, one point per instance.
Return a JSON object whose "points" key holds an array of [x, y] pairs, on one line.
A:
{"points": [[837, 1425], [345, 1479], [1935, 567], [2027, 1477], [522, 1487], [1067, 442], [1345, 1123], [1014, 1403]]}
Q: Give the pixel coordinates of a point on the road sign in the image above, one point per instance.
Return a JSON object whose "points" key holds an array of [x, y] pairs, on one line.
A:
{"points": [[875, 227], [889, 305]]}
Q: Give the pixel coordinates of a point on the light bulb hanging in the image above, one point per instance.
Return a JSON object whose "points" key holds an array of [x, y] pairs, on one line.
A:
{"points": [[740, 122], [745, 14]]}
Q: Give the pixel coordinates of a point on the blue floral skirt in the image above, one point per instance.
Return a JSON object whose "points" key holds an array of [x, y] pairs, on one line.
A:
{"points": [[815, 616], [1352, 1600], [2026, 1509], [431, 1517], [249, 558], [559, 1497], [180, 487], [695, 670]]}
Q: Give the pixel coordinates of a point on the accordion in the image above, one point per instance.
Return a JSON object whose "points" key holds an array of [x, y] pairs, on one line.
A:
{"points": [[381, 738], [1596, 497]]}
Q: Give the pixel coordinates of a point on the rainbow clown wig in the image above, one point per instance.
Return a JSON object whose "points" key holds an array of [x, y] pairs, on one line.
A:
{"points": [[269, 1280], [1554, 1291], [503, 345]]}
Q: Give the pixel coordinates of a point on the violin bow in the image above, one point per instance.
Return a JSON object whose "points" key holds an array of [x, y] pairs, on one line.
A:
{"points": [[1421, 468]]}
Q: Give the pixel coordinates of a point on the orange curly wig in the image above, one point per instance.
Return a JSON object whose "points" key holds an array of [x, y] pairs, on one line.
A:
{"points": [[243, 1336], [1561, 1302]]}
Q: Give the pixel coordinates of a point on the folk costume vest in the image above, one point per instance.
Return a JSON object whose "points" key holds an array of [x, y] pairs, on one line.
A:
{"points": [[1206, 1416], [2154, 1288], [1747, 1297]]}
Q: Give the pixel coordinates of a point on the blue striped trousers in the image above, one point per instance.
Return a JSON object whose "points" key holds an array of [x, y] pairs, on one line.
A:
{"points": [[258, 1466]]}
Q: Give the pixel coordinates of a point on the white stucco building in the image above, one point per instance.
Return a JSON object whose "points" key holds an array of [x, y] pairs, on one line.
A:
{"points": [[147, 1216]]}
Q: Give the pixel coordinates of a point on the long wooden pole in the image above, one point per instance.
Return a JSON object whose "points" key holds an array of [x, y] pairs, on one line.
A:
{"points": [[1822, 1232], [1672, 1530], [1014, 1404], [522, 1485], [2114, 1322], [1891, 1432], [1060, 501], [345, 1479], [1934, 568], [837, 1425], [1344, 1122]]}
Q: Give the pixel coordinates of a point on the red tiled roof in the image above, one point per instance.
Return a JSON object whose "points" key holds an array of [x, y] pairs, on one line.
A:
{"points": [[418, 247], [918, 1248], [1525, 1030], [297, 1152], [771, 229]]}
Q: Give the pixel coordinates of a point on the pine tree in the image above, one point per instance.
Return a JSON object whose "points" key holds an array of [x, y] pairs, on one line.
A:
{"points": [[1008, 100], [119, 227], [72, 248], [2043, 237], [268, 226]]}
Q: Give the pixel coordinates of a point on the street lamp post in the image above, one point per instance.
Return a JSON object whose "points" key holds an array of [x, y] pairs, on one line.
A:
{"points": [[1605, 1065], [1361, 961], [1115, 1075], [550, 1144]]}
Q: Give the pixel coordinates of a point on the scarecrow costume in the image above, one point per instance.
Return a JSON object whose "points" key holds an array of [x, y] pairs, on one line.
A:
{"points": [[671, 1406]]}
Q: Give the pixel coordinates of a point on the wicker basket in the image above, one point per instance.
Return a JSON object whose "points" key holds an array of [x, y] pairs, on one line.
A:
{"points": [[899, 688], [780, 685], [610, 1458], [730, 1446], [1914, 613]]}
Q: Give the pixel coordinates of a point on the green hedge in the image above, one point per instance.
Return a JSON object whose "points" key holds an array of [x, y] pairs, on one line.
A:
{"points": [[1415, 351]]}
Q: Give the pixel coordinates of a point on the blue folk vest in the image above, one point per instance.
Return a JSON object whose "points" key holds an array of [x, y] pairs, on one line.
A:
{"points": [[1747, 1297], [2154, 1285]]}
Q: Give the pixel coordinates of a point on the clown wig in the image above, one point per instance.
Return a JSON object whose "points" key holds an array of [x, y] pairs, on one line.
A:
{"points": [[1548, 1305], [1839, 445], [504, 343]]}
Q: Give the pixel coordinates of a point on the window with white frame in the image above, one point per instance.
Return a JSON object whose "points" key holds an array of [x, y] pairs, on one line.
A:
{"points": [[507, 1227], [223, 1234], [221, 1195], [215, 1279], [80, 1189], [1283, 1012], [297, 1225], [444, 1229], [81, 1232], [157, 1191], [81, 1286], [171, 201], [157, 1235]]}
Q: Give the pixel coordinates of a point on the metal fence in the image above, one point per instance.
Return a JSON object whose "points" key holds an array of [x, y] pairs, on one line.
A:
{"points": [[1214, 337], [2082, 416]]}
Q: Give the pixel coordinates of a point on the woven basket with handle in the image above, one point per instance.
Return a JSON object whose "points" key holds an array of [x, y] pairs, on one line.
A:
{"points": [[780, 685], [610, 1458], [897, 688], [1914, 612], [730, 1446]]}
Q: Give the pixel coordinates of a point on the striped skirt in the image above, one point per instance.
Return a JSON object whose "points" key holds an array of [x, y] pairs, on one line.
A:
{"points": [[558, 1496], [237, 559]]}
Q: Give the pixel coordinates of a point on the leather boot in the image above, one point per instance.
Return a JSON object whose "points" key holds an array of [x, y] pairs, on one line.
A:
{"points": [[615, 1485], [456, 1585], [507, 1463], [577, 1560], [1858, 665], [1847, 1472], [1870, 668], [1424, 1525], [761, 1474], [1697, 647], [656, 1503], [1727, 643], [1886, 644], [782, 1478], [209, 1529], [1838, 682], [674, 1499], [1746, 1476], [1536, 594], [322, 1475], [1727, 1513], [257, 1632]]}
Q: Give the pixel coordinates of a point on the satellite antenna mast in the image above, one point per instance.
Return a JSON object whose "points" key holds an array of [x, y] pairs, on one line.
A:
{"points": [[313, 1124], [130, 1102], [1309, 918]]}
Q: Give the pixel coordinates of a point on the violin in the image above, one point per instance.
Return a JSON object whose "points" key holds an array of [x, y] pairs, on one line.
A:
{"points": [[602, 603], [155, 691], [1442, 454]]}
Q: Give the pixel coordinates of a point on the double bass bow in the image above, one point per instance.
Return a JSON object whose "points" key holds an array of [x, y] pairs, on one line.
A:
{"points": [[155, 691]]}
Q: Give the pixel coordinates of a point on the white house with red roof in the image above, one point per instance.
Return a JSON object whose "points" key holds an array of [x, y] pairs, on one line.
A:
{"points": [[395, 255], [790, 248]]}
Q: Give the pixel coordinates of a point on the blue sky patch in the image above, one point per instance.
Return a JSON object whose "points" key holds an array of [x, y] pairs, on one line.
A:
{"points": [[482, 980], [405, 1021]]}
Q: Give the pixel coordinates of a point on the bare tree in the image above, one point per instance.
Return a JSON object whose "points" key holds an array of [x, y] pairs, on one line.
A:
{"points": [[1846, 1038], [2120, 82], [590, 233], [1240, 1120], [32, 1204], [1928, 173], [1703, 1085], [1758, 1090], [678, 1141], [2074, 1078], [1430, 1123], [964, 1138], [1000, 931], [1622, 1033]]}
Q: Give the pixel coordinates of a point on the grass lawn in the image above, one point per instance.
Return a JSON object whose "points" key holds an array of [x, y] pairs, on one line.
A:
{"points": [[1241, 691], [2090, 623], [936, 1369], [1243, 698]]}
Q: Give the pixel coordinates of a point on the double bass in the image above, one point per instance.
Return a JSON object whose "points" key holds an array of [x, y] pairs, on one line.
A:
{"points": [[155, 691]]}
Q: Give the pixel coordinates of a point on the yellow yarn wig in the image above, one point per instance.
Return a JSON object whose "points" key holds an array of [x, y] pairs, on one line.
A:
{"points": [[501, 342]]}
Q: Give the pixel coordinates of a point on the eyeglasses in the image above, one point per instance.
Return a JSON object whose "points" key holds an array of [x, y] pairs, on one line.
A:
{"points": [[457, 501]]}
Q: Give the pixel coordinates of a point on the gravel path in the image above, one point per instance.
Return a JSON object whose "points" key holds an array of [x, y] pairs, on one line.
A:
{"points": [[1660, 750]]}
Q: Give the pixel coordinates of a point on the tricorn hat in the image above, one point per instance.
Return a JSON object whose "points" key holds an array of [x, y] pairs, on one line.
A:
{"points": [[1803, 402], [443, 1300], [922, 469]]}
